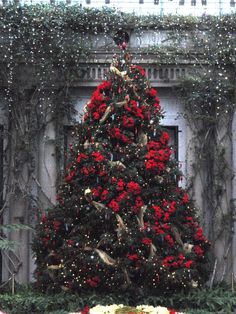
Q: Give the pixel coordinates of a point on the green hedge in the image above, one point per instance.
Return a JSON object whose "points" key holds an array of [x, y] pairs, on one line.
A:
{"points": [[202, 301]]}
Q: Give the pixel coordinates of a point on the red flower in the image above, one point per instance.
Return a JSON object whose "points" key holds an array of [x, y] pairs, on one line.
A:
{"points": [[56, 225], [96, 115], [96, 192], [105, 85], [97, 97], [185, 199], [120, 185], [146, 241], [167, 261], [93, 282], [139, 68], [158, 211], [85, 310], [80, 157], [133, 257], [122, 196], [115, 133], [152, 92], [85, 171], [104, 195], [139, 202], [153, 145], [128, 122], [198, 250], [188, 264], [164, 138], [199, 234], [98, 156], [70, 176], [166, 217], [102, 108], [125, 139], [150, 164], [169, 240], [134, 188], [114, 206]]}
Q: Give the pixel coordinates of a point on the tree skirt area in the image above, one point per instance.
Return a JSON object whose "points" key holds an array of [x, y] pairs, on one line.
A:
{"points": [[122, 309]]}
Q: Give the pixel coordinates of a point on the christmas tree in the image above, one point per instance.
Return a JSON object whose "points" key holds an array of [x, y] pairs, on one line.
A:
{"points": [[121, 220]]}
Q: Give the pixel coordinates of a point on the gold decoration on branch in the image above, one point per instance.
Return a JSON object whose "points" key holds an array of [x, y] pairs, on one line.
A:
{"points": [[153, 250], [121, 103], [140, 216], [98, 205], [117, 164], [127, 278], [105, 257], [55, 267], [106, 114], [121, 226]]}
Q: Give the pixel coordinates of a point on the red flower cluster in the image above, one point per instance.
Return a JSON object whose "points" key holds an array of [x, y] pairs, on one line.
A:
{"points": [[93, 282], [98, 156], [140, 69], [116, 134], [133, 257], [134, 188], [158, 154], [97, 105], [133, 108], [114, 206]]}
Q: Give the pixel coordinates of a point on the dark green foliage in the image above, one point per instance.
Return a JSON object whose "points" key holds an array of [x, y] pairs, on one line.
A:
{"points": [[202, 301]]}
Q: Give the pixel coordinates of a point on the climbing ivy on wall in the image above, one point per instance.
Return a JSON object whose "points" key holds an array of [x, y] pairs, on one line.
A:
{"points": [[42, 47]]}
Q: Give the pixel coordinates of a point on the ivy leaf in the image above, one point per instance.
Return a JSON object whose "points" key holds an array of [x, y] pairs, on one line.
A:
{"points": [[14, 227]]}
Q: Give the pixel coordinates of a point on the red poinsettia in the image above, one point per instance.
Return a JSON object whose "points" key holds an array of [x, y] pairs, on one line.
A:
{"points": [[98, 156], [152, 92], [114, 206], [104, 195], [147, 241], [133, 257], [80, 157], [70, 176], [198, 250], [85, 310], [164, 139], [134, 188], [188, 264], [128, 122], [93, 281], [120, 185]]}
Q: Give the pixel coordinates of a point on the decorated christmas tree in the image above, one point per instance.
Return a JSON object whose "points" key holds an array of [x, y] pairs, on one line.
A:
{"points": [[121, 221]]}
